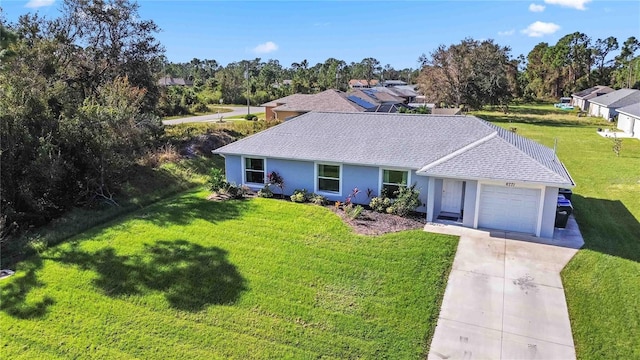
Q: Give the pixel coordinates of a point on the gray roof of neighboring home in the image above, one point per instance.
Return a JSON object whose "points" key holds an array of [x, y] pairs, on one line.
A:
{"points": [[328, 100], [592, 92], [618, 98], [447, 146], [633, 110]]}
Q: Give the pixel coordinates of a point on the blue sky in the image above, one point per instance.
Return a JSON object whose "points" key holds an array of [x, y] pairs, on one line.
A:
{"points": [[395, 33]]}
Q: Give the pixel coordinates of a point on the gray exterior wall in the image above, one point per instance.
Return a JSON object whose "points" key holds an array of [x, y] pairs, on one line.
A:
{"points": [[549, 212]]}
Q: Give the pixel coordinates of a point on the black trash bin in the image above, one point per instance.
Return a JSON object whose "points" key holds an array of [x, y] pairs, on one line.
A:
{"points": [[563, 210], [566, 193]]}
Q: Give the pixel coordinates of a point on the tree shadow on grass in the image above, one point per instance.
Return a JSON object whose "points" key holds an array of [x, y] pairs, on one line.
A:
{"points": [[190, 276], [608, 227], [184, 209], [13, 293], [515, 120]]}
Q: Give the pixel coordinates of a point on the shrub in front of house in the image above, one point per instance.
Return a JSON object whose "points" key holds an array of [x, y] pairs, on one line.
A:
{"points": [[353, 211], [216, 180], [380, 204], [265, 192], [300, 196], [317, 199], [406, 200]]}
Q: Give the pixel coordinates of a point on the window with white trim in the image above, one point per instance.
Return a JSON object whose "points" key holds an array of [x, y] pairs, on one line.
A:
{"points": [[254, 170], [392, 180], [329, 178]]}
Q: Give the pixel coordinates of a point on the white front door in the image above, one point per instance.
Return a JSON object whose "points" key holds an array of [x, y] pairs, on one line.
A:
{"points": [[509, 208], [451, 196]]}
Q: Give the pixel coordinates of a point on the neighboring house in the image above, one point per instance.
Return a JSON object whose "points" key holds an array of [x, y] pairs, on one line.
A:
{"points": [[376, 96], [294, 105], [629, 119], [171, 81], [390, 108], [581, 99], [606, 106], [388, 83], [465, 168], [407, 92], [361, 83]]}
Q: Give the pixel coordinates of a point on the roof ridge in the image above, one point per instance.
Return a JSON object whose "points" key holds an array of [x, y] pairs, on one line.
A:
{"points": [[555, 156], [460, 151]]}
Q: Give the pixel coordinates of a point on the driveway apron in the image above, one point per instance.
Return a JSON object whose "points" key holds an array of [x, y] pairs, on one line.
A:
{"points": [[504, 300]]}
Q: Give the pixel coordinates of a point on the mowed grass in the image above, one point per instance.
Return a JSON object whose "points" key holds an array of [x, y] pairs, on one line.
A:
{"points": [[602, 282], [194, 279]]}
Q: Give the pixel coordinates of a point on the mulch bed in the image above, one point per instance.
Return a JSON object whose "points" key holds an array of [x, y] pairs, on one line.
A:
{"points": [[374, 223]]}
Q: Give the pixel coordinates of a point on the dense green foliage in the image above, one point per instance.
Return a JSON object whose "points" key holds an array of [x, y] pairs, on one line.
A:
{"points": [[76, 100], [602, 281], [191, 278]]}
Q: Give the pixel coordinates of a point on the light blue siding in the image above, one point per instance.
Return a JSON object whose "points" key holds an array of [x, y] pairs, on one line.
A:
{"points": [[233, 168], [361, 177], [296, 174], [422, 185], [549, 212]]}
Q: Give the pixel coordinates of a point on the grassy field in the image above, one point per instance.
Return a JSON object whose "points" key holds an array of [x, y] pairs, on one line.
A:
{"points": [[191, 278], [602, 282]]}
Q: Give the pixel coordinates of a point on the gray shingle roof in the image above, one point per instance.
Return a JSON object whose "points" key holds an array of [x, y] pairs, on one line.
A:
{"points": [[592, 92], [454, 146], [328, 100], [618, 98], [633, 110]]}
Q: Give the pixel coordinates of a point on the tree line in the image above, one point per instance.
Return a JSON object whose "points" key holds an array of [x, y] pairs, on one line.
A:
{"points": [[80, 101]]}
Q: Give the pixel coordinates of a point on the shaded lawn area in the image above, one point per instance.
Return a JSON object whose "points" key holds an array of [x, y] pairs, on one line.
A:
{"points": [[602, 282], [262, 278]]}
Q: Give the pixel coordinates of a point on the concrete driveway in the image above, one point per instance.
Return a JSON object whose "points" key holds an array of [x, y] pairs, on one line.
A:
{"points": [[504, 300], [237, 110]]}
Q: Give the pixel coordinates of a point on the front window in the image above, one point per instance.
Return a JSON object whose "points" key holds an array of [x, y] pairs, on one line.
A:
{"points": [[392, 180], [329, 178], [254, 170]]}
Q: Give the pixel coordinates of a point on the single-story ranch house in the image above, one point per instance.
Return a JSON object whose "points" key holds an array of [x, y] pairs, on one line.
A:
{"points": [[629, 119], [465, 168], [606, 106]]}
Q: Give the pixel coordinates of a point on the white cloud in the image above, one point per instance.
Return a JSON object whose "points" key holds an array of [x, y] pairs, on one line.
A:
{"points": [[536, 8], [539, 29], [265, 48], [34, 4], [575, 4], [506, 33]]}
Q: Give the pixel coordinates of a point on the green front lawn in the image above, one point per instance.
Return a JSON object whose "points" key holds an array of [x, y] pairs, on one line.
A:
{"points": [[190, 278], [602, 282]]}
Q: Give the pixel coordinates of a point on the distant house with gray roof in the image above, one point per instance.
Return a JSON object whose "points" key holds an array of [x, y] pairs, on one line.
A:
{"points": [[294, 105], [629, 119], [606, 106], [467, 170], [581, 98]]}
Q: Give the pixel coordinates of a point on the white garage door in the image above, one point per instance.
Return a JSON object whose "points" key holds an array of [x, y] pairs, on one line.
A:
{"points": [[509, 208], [625, 123]]}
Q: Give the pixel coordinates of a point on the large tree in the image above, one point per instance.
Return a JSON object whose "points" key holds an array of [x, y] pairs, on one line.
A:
{"points": [[472, 72], [76, 98]]}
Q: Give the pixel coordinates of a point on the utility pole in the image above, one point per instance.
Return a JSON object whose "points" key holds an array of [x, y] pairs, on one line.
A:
{"points": [[246, 76]]}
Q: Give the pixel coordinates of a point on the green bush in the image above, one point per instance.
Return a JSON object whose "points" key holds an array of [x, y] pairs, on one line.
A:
{"points": [[318, 199], [407, 200], [199, 108], [265, 192], [300, 196], [353, 212], [250, 117], [235, 191], [216, 180], [380, 204]]}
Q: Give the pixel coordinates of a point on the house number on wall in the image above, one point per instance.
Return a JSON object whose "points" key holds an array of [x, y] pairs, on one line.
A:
{"points": [[511, 184]]}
